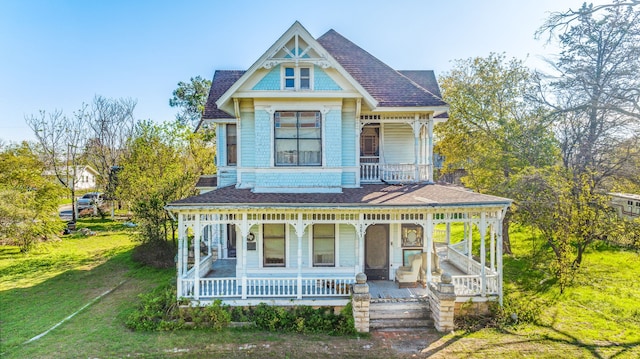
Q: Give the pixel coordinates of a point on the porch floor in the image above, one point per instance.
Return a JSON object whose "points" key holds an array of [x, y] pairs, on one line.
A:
{"points": [[386, 289]]}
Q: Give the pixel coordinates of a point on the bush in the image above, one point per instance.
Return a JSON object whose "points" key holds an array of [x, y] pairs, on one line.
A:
{"points": [[159, 310], [303, 319]]}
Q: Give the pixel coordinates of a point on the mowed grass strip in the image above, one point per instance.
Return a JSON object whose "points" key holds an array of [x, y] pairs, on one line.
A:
{"points": [[41, 288]]}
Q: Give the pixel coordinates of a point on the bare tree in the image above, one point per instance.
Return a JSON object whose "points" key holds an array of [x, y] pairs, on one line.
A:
{"points": [[61, 142], [110, 123], [595, 96], [561, 21]]}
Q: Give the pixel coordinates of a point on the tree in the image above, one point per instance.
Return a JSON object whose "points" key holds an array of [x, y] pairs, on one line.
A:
{"points": [[493, 130], [162, 165], [28, 201], [562, 20], [595, 96], [566, 211], [191, 98], [61, 141], [110, 123]]}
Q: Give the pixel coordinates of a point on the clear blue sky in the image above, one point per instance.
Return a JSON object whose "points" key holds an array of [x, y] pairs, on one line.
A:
{"points": [[59, 54]]}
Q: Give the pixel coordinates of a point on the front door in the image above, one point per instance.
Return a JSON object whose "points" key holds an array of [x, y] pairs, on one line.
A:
{"points": [[376, 252]]}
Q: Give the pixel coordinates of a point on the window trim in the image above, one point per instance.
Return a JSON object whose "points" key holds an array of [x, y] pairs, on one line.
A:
{"points": [[228, 163], [284, 246], [313, 245], [297, 78], [319, 126]]}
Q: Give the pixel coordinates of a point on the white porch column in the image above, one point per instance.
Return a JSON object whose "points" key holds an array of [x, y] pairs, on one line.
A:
{"points": [[469, 226], [240, 246], [196, 256], [180, 259], [429, 235], [416, 146], [492, 246], [483, 254], [499, 251], [299, 227], [430, 165]]}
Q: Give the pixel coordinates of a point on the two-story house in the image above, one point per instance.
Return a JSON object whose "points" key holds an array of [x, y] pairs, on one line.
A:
{"points": [[325, 170]]}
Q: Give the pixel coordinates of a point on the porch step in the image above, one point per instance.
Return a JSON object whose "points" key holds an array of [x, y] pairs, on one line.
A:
{"points": [[399, 310], [400, 314], [381, 324]]}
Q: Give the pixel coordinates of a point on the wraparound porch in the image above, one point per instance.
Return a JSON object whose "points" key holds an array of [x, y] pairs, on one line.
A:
{"points": [[222, 282]]}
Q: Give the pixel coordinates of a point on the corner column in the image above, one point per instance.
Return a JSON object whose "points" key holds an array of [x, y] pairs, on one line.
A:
{"points": [[442, 300]]}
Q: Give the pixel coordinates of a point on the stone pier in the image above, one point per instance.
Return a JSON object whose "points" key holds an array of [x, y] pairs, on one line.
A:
{"points": [[442, 300], [360, 302]]}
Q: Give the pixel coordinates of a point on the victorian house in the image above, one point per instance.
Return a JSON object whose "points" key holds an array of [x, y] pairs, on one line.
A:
{"points": [[325, 170]]}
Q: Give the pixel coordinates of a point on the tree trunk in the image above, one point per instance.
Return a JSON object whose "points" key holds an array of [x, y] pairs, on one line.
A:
{"points": [[506, 241]]}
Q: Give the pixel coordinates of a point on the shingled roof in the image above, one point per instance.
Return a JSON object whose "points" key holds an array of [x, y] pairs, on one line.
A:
{"points": [[222, 80], [388, 86], [372, 195]]}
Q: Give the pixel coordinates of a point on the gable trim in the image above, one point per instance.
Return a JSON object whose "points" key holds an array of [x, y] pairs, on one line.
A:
{"points": [[264, 61]]}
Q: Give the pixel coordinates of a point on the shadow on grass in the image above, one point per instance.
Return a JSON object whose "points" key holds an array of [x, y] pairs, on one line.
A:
{"points": [[565, 338]]}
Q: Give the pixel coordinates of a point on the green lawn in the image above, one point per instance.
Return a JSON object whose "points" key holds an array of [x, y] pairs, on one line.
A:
{"points": [[599, 316]]}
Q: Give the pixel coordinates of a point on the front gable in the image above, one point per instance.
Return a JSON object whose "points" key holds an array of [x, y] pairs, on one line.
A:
{"points": [[294, 66]]}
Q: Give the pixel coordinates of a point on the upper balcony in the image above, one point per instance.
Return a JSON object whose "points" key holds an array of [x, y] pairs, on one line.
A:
{"points": [[371, 171]]}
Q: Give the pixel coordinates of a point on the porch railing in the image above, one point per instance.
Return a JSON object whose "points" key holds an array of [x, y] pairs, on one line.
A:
{"points": [[289, 287], [393, 173], [471, 283]]}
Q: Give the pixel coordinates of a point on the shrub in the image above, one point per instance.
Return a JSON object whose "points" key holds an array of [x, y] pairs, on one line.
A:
{"points": [[159, 310]]}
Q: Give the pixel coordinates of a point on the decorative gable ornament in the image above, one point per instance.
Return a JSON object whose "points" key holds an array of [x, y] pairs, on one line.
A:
{"points": [[297, 50]]}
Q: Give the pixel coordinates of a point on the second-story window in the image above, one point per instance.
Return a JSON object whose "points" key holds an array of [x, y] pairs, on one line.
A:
{"points": [[298, 138], [297, 78], [232, 145]]}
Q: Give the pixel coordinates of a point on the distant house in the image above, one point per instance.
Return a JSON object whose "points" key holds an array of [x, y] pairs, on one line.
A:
{"points": [[325, 170], [627, 205], [85, 176]]}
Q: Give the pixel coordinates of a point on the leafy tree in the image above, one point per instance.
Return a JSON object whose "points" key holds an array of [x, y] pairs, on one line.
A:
{"points": [[568, 213], [28, 201], [191, 98], [162, 165], [493, 130], [62, 140]]}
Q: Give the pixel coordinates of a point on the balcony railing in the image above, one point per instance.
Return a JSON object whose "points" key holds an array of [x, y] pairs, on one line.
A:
{"points": [[394, 173]]}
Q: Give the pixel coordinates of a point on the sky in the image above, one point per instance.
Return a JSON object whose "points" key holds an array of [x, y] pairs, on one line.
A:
{"points": [[57, 55]]}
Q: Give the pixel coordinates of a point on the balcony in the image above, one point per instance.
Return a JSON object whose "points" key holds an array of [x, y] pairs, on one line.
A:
{"points": [[373, 172]]}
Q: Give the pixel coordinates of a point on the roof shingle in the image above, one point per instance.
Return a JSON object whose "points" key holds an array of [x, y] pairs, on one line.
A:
{"points": [[388, 86], [373, 195]]}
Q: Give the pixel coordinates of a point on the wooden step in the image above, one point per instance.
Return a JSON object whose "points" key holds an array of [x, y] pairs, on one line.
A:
{"points": [[377, 324], [402, 310]]}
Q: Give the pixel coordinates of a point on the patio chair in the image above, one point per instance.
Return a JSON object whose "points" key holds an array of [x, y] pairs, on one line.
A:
{"points": [[435, 266], [408, 276]]}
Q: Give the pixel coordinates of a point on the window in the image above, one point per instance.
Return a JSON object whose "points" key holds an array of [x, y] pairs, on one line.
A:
{"points": [[274, 245], [232, 141], [305, 78], [298, 140], [297, 78], [289, 78], [324, 245]]}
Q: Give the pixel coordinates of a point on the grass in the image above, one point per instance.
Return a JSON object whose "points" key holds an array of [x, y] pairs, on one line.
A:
{"points": [[598, 316]]}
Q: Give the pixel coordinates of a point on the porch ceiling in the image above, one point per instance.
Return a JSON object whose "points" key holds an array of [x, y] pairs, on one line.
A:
{"points": [[367, 196]]}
